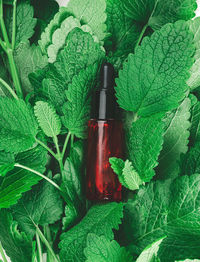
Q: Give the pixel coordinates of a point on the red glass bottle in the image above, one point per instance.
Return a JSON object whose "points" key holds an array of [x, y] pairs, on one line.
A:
{"points": [[105, 140]]}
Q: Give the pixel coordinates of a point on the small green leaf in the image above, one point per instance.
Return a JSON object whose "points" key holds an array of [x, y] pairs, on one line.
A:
{"points": [[42, 206], [48, 120], [127, 175], [18, 127], [100, 220], [144, 145], [99, 248], [153, 75], [77, 109], [17, 244]]}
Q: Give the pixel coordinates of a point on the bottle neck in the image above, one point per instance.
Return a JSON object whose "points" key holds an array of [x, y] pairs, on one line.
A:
{"points": [[104, 105]]}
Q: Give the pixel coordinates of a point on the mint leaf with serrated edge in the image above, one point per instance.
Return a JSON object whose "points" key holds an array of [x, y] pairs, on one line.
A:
{"points": [[18, 127], [77, 108], [158, 69], [42, 206], [99, 248], [48, 120], [127, 175], [100, 220], [144, 145], [175, 140]]}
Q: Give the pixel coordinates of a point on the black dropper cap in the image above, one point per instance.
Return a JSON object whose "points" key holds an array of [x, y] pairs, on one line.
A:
{"points": [[104, 100]]}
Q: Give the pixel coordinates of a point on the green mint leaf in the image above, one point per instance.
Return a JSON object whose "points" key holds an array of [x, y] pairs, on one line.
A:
{"points": [[7, 161], [25, 23], [164, 208], [80, 47], [194, 80], [157, 13], [99, 248], [92, 13], [48, 120], [127, 175], [100, 220], [28, 59], [144, 145], [124, 30], [72, 186], [17, 244], [153, 75], [18, 127], [175, 140], [190, 162], [77, 108], [42, 206], [46, 36], [18, 181], [150, 252], [59, 37], [195, 124]]}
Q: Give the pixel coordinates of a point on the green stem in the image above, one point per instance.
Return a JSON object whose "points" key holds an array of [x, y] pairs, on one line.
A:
{"points": [[2, 253], [46, 147], [8, 88], [46, 243], [34, 258], [47, 233], [59, 155], [141, 36], [39, 247], [3, 45], [66, 143], [14, 73], [3, 27], [39, 174], [14, 24]]}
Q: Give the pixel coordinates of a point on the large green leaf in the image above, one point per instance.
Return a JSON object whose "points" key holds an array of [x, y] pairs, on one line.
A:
{"points": [[100, 220], [158, 70], [18, 180], [156, 13], [144, 145], [17, 245], [176, 139], [77, 108], [48, 120], [28, 59], [42, 206], [194, 80], [18, 127], [25, 22], [164, 208], [101, 249], [92, 13]]}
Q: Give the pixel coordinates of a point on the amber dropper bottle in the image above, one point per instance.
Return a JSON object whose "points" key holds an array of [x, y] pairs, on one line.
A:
{"points": [[105, 140]]}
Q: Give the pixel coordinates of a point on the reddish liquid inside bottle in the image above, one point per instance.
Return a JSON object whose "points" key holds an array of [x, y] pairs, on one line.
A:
{"points": [[105, 140]]}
